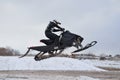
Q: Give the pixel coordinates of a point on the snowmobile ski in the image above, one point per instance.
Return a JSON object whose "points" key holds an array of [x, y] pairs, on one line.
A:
{"points": [[86, 47]]}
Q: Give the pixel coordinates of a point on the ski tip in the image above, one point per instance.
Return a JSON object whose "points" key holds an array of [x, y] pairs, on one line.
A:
{"points": [[86, 47], [20, 56]]}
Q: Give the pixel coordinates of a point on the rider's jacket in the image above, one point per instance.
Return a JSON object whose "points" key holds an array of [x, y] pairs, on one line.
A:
{"points": [[51, 26]]}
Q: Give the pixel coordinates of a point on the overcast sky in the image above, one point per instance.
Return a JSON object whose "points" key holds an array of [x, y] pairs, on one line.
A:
{"points": [[22, 22]]}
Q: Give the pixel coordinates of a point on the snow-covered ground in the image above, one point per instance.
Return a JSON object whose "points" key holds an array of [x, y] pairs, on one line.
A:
{"points": [[56, 78], [104, 63], [55, 63], [86, 78]]}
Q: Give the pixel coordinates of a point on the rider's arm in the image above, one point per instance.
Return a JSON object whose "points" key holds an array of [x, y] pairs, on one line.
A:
{"points": [[59, 27], [56, 30]]}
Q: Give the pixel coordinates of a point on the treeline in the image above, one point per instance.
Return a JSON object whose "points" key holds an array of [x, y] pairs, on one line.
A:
{"points": [[8, 52]]}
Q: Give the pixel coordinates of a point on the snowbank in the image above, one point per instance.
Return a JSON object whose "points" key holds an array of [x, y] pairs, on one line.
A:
{"points": [[55, 63]]}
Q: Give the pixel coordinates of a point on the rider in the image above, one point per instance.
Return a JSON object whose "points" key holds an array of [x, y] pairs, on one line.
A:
{"points": [[52, 28]]}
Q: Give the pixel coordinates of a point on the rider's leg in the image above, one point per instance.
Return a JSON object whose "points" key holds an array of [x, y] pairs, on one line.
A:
{"points": [[47, 41], [53, 37]]}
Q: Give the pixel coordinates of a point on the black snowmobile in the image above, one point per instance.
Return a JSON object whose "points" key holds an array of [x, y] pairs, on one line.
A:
{"points": [[66, 40]]}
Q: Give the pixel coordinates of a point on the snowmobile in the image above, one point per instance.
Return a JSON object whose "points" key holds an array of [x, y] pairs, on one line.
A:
{"points": [[66, 39]]}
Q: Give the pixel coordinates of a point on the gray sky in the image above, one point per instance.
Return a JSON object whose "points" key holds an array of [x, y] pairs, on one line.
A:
{"points": [[22, 22]]}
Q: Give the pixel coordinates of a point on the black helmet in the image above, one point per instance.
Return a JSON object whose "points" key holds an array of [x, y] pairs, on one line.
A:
{"points": [[56, 22]]}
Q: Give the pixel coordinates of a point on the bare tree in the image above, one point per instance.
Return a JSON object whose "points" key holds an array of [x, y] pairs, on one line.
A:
{"points": [[8, 51]]}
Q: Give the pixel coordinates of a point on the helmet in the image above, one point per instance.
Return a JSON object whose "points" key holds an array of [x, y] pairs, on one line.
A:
{"points": [[56, 22]]}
